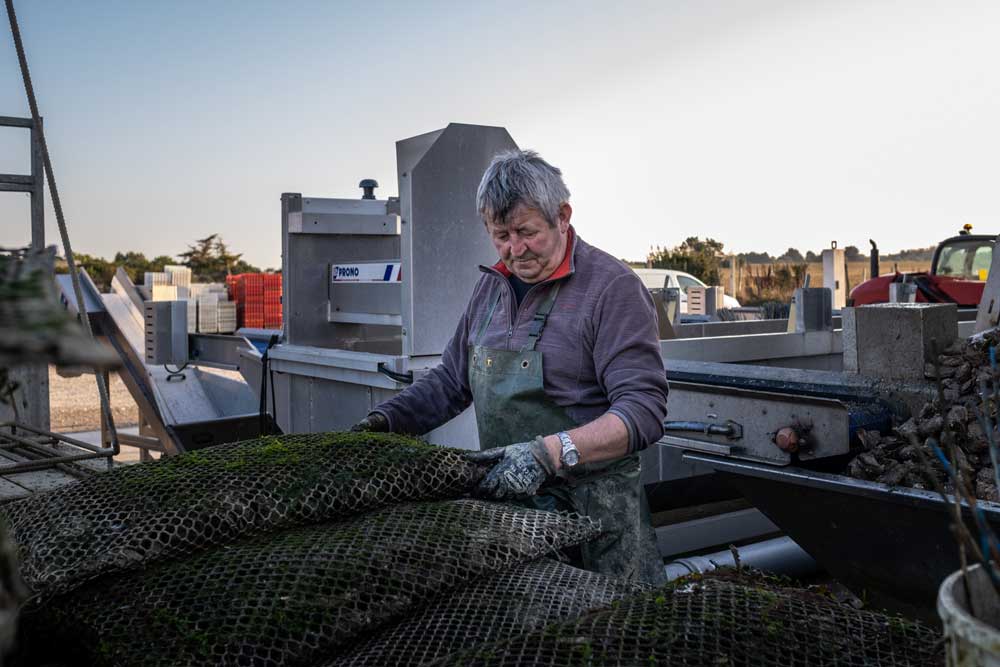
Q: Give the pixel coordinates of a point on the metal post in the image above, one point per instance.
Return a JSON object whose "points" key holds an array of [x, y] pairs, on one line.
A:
{"points": [[37, 189], [105, 431], [732, 275]]}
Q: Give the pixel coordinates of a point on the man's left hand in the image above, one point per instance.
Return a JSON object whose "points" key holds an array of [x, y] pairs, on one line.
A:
{"points": [[519, 470]]}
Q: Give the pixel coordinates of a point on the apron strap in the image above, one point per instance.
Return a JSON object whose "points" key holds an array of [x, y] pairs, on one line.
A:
{"points": [[541, 317], [488, 319]]}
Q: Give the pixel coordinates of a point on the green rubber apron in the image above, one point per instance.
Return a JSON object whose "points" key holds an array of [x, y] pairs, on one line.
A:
{"points": [[511, 406]]}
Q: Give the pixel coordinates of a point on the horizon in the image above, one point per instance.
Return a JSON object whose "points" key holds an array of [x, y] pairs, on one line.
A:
{"points": [[763, 126]]}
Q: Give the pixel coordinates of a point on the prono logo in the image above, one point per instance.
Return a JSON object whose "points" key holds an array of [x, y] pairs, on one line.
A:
{"points": [[366, 272]]}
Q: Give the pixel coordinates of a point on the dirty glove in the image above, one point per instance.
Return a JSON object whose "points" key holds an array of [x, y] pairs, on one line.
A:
{"points": [[518, 472], [373, 423]]}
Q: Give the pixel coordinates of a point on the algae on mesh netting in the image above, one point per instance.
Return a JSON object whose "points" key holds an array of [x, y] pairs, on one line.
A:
{"points": [[748, 612], [147, 512], [374, 452], [301, 586]]}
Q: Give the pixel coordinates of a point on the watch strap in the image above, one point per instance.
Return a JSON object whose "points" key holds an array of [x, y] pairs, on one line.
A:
{"points": [[567, 446]]}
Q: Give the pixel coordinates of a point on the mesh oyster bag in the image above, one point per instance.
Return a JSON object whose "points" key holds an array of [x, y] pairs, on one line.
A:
{"points": [[163, 509], [523, 598], [292, 597], [715, 621]]}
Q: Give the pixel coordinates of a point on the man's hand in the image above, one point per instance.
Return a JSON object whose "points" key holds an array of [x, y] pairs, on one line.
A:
{"points": [[374, 423], [519, 470]]}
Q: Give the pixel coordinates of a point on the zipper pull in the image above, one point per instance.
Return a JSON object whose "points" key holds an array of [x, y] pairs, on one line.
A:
{"points": [[510, 332]]}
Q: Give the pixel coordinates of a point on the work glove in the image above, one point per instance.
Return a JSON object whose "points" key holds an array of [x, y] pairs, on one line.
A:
{"points": [[373, 423], [518, 470]]}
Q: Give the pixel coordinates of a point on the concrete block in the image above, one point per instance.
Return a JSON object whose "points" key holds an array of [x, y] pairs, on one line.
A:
{"points": [[835, 276], [813, 309], [895, 340], [849, 339]]}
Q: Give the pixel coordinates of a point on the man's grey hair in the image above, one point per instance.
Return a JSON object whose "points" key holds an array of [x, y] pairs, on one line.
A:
{"points": [[520, 177]]}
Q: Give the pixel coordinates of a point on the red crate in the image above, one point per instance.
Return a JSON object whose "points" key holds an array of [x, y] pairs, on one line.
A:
{"points": [[258, 299]]}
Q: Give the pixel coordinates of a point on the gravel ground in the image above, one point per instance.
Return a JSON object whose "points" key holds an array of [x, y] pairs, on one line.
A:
{"points": [[74, 403]]}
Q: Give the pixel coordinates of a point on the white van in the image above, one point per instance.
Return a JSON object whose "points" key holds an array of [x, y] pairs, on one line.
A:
{"points": [[664, 278]]}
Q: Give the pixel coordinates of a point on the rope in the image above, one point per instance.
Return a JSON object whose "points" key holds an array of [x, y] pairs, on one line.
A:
{"points": [[36, 119]]}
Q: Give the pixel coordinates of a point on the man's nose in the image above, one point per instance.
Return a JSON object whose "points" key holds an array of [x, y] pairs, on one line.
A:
{"points": [[517, 247]]}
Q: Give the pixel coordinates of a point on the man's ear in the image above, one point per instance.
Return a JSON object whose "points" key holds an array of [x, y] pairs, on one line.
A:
{"points": [[565, 213]]}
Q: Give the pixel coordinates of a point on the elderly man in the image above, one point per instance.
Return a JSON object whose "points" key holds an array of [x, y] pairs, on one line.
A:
{"points": [[558, 351]]}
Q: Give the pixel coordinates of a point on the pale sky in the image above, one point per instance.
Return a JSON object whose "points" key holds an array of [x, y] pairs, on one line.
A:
{"points": [[763, 123]]}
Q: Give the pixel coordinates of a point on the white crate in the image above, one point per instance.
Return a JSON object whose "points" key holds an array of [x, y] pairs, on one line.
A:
{"points": [[227, 316], [198, 289], [192, 313], [179, 275], [152, 278], [163, 293], [208, 313]]}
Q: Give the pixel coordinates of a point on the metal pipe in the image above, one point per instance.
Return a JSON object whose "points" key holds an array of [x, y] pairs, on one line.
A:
{"points": [[47, 434], [780, 555], [40, 454], [873, 260], [43, 464]]}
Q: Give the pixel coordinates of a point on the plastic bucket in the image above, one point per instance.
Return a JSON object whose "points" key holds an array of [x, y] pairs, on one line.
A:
{"points": [[970, 640]]}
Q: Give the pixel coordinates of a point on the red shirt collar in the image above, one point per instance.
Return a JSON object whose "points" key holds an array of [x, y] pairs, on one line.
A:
{"points": [[565, 266]]}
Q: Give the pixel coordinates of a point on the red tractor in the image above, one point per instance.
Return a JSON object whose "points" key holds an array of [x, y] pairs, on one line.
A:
{"points": [[958, 274]]}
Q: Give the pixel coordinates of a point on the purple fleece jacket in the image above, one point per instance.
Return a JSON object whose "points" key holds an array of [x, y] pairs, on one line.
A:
{"points": [[600, 349]]}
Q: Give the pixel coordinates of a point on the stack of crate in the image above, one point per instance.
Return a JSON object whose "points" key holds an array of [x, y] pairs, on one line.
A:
{"points": [[163, 292], [258, 299], [249, 297], [208, 307], [226, 311], [208, 312], [192, 313], [154, 278], [180, 276], [272, 300]]}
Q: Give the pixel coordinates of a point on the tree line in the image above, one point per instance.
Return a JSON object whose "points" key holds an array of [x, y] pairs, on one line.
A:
{"points": [[851, 254], [209, 259], [704, 258]]}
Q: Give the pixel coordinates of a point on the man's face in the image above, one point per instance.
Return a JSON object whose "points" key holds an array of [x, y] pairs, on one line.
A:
{"points": [[528, 246]]}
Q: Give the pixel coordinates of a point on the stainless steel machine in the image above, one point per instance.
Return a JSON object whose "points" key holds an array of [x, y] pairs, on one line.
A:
{"points": [[373, 288]]}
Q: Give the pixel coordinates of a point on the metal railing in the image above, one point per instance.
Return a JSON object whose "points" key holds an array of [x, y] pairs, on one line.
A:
{"points": [[39, 446]]}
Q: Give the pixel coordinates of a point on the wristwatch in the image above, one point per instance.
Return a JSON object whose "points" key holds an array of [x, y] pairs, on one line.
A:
{"points": [[570, 455]]}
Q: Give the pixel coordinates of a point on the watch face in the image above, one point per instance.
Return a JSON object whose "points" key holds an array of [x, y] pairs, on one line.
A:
{"points": [[571, 458]]}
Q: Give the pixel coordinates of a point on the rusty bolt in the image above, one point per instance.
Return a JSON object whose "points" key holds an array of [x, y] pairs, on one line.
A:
{"points": [[787, 440]]}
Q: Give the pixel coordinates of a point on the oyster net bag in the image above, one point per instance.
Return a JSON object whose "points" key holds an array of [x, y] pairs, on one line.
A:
{"points": [[716, 621], [153, 511], [293, 597], [526, 597]]}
